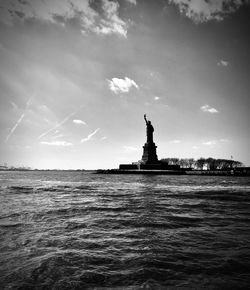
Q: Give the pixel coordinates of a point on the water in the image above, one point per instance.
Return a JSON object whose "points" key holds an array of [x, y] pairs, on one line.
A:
{"points": [[76, 230]]}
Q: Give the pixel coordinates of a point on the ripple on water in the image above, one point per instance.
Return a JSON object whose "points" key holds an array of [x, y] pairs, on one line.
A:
{"points": [[78, 231]]}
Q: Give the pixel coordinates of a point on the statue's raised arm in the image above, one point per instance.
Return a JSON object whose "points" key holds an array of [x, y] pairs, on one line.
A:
{"points": [[145, 118]]}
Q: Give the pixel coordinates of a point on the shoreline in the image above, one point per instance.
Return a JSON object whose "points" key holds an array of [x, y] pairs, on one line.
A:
{"points": [[235, 172], [175, 172]]}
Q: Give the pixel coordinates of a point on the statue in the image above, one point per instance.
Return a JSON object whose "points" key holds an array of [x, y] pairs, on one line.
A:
{"points": [[150, 130], [149, 160]]}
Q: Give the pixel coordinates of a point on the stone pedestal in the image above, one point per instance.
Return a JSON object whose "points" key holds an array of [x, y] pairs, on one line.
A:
{"points": [[149, 153]]}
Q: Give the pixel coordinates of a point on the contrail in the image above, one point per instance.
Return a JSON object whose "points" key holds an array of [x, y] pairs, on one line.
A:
{"points": [[18, 121], [90, 135], [14, 128], [58, 125]]}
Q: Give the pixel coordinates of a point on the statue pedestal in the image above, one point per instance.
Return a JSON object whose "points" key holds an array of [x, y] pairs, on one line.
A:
{"points": [[149, 153]]}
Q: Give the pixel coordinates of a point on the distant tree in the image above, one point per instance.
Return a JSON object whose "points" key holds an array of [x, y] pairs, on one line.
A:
{"points": [[226, 164], [174, 161], [237, 164], [219, 163], [165, 160], [200, 163], [183, 163], [191, 162], [223, 164], [211, 163], [171, 161], [187, 162]]}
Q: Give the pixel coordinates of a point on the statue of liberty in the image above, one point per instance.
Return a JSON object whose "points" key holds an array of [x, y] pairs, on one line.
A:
{"points": [[150, 130]]}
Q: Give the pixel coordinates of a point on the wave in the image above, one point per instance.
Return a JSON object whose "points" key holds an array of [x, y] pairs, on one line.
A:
{"points": [[82, 231]]}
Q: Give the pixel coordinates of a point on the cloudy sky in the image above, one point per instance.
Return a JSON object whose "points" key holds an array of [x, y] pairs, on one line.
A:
{"points": [[76, 77]]}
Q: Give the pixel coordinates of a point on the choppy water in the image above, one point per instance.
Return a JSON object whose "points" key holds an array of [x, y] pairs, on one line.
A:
{"points": [[75, 230]]}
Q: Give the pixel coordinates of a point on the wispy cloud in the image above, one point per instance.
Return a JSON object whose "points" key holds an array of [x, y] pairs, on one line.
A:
{"points": [[156, 98], [206, 10], [210, 143], [175, 141], [90, 136], [132, 1], [223, 63], [209, 109], [214, 142], [195, 147], [79, 122], [117, 85], [104, 138], [57, 126], [57, 143], [18, 121]]}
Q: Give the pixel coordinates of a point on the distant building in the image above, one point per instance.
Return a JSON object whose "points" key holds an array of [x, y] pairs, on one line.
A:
{"points": [[4, 167]]}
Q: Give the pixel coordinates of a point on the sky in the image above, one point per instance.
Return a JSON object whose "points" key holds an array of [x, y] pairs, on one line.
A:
{"points": [[76, 78]]}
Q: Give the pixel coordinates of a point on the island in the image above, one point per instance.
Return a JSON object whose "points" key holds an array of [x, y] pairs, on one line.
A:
{"points": [[149, 163]]}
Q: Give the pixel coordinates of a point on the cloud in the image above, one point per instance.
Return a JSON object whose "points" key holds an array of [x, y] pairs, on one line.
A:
{"points": [[132, 1], [208, 10], [79, 122], [102, 19], [208, 109], [90, 136], [129, 149], [57, 143], [111, 22], [214, 142], [175, 141], [210, 143], [222, 63], [156, 98], [103, 138], [122, 85], [195, 147], [47, 10], [57, 126]]}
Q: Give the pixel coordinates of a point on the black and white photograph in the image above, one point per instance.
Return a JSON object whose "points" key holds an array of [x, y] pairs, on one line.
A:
{"points": [[124, 144]]}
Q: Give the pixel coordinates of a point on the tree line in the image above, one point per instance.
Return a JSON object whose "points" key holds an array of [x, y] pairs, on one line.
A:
{"points": [[203, 163]]}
